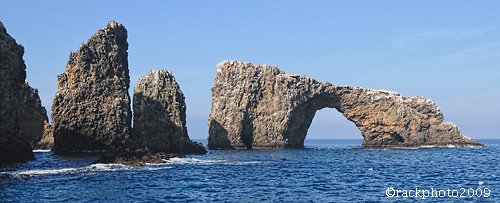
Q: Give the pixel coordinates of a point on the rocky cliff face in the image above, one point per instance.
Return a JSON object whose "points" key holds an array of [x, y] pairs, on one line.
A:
{"points": [[262, 107], [13, 146], [160, 116], [91, 109], [32, 118], [47, 140]]}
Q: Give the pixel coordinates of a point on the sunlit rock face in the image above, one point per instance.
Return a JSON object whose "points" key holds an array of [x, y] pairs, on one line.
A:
{"points": [[160, 116], [261, 107], [91, 109]]}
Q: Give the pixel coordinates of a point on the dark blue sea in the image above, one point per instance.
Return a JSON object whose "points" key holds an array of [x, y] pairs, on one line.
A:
{"points": [[325, 171]]}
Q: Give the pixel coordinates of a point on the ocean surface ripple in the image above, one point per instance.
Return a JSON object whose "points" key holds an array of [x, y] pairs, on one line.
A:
{"points": [[325, 171]]}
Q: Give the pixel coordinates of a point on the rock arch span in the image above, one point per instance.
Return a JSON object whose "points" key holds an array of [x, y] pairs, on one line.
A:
{"points": [[262, 107]]}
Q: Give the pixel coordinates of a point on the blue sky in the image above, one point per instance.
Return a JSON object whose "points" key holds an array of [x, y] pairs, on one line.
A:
{"points": [[448, 51]]}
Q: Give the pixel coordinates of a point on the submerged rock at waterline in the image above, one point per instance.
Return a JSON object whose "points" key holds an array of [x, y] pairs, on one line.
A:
{"points": [[160, 116], [261, 107], [22, 116], [91, 109], [135, 158]]}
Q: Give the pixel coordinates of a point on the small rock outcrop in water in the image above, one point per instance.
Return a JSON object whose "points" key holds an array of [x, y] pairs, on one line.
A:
{"points": [[32, 118], [160, 116], [21, 113], [138, 158], [262, 107], [91, 109]]}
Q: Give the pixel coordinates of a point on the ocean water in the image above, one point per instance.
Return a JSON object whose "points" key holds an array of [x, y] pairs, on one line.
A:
{"points": [[325, 171]]}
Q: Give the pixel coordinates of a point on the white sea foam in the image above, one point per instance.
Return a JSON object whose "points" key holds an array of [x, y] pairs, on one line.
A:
{"points": [[41, 150], [247, 162], [154, 167], [120, 167], [203, 162], [107, 167], [189, 161], [93, 167], [45, 172], [473, 146]]}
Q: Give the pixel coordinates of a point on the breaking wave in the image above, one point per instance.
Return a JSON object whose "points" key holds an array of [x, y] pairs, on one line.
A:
{"points": [[91, 168], [207, 162], [41, 150]]}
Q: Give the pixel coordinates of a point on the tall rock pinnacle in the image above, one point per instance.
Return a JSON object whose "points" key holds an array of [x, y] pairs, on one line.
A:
{"points": [[13, 147], [91, 109], [22, 116]]}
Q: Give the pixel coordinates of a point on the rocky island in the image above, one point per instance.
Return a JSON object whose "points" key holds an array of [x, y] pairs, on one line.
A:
{"points": [[91, 109], [262, 107], [160, 116], [23, 118], [253, 107], [159, 131]]}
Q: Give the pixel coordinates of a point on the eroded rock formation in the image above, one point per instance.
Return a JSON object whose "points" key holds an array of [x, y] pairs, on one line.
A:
{"points": [[91, 109], [261, 107], [21, 113], [160, 116], [32, 118], [138, 158], [47, 141]]}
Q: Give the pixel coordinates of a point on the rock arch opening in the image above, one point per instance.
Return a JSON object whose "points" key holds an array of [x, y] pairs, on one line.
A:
{"points": [[328, 123]]}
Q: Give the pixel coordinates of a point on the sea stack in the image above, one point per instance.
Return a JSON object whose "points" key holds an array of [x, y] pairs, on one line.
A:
{"points": [[262, 107], [32, 118], [22, 116], [160, 116], [91, 109], [159, 131]]}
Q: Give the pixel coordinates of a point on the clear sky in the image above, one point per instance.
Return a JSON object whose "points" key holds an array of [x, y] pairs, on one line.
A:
{"points": [[447, 50]]}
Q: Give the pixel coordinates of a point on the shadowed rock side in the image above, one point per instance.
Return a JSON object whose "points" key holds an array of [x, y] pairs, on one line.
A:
{"points": [[91, 109], [261, 107], [160, 116], [32, 118], [21, 112], [14, 147], [47, 141]]}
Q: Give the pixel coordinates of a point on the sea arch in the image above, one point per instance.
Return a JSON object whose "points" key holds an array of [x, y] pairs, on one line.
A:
{"points": [[262, 107]]}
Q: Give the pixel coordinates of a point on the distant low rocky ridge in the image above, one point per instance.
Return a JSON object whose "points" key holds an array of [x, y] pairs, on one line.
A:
{"points": [[22, 117], [261, 107]]}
